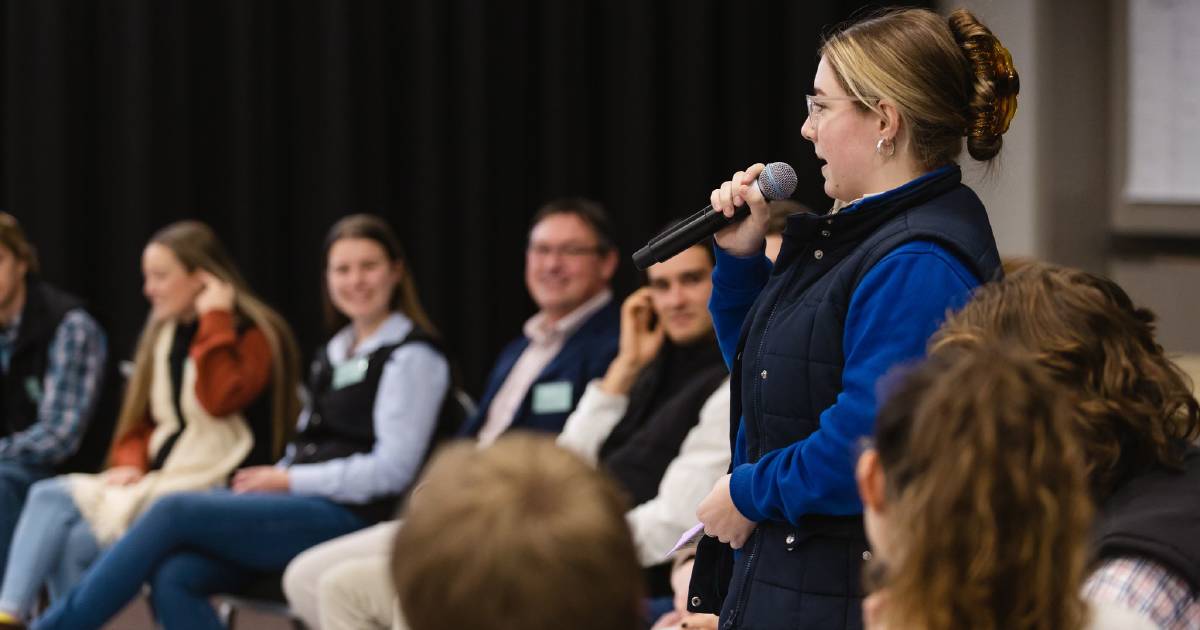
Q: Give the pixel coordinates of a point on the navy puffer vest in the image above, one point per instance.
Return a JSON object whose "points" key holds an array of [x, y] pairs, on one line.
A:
{"points": [[788, 370]]}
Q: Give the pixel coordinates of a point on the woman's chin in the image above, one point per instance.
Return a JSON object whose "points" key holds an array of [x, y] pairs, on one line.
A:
{"points": [[830, 190], [363, 312]]}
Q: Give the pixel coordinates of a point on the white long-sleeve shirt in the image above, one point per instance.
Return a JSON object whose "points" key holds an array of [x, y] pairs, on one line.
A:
{"points": [[703, 458]]}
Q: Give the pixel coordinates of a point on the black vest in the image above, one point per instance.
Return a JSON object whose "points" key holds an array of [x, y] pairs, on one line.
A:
{"points": [[1156, 515], [342, 422], [21, 385], [664, 405], [807, 574]]}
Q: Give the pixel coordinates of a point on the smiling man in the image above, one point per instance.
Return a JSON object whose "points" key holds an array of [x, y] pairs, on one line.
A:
{"points": [[539, 377]]}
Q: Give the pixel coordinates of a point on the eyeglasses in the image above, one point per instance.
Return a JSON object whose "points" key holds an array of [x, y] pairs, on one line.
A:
{"points": [[542, 250], [817, 104]]}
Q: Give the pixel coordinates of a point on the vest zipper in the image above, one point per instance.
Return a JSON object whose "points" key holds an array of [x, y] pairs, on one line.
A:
{"points": [[762, 344], [745, 594]]}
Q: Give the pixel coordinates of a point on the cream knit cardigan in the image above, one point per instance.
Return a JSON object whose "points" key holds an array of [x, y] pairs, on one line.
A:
{"points": [[203, 456]]}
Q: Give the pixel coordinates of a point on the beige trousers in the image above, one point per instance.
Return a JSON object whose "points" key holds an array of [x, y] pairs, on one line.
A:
{"points": [[346, 583]]}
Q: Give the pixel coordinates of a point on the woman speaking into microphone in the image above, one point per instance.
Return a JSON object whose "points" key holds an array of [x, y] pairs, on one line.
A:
{"points": [[852, 293]]}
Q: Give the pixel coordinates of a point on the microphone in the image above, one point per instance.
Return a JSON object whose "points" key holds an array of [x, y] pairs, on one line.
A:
{"points": [[777, 181]]}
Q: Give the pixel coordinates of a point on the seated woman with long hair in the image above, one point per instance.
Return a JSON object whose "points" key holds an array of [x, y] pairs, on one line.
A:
{"points": [[1137, 420], [377, 390], [977, 502], [213, 388]]}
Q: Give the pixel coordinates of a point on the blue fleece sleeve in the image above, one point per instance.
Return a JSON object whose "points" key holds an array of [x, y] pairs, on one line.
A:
{"points": [[898, 304], [736, 281]]}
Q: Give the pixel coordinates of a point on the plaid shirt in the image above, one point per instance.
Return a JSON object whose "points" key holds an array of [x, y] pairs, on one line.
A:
{"points": [[74, 369], [1147, 588]]}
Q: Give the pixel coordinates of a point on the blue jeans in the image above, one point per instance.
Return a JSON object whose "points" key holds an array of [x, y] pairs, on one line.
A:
{"points": [[15, 479], [53, 545], [191, 545]]}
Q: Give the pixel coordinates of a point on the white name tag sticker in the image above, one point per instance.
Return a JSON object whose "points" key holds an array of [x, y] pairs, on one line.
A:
{"points": [[552, 397], [349, 373]]}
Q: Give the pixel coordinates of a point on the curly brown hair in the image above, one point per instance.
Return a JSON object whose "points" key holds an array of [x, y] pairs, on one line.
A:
{"points": [[987, 494], [1135, 409]]}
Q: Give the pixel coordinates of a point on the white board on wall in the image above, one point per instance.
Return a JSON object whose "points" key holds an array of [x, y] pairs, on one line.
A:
{"points": [[1163, 149]]}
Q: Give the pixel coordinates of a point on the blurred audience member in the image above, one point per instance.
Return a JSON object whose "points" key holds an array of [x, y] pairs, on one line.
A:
{"points": [[52, 358], [976, 500], [1136, 418], [538, 378], [377, 392], [521, 535], [213, 386]]}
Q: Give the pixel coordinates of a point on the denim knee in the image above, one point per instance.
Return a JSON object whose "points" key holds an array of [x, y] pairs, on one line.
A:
{"points": [[170, 575], [171, 507], [49, 492]]}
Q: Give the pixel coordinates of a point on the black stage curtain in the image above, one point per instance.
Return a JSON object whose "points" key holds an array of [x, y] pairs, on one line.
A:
{"points": [[454, 119]]}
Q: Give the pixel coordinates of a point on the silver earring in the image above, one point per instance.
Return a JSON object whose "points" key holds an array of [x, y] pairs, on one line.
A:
{"points": [[885, 142]]}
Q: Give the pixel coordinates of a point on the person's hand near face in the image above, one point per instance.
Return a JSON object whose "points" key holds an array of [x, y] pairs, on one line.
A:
{"points": [[217, 295], [641, 339]]}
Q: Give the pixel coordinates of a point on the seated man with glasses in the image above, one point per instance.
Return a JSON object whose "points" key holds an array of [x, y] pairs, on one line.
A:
{"points": [[539, 377]]}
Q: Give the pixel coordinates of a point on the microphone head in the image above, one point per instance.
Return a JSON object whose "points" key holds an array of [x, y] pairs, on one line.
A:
{"points": [[777, 181]]}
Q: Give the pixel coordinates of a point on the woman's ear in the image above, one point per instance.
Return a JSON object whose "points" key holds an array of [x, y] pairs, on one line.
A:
{"points": [[889, 120], [871, 481], [199, 278]]}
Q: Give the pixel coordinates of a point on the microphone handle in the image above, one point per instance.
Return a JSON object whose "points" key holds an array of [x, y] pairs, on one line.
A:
{"points": [[686, 234], [699, 214]]}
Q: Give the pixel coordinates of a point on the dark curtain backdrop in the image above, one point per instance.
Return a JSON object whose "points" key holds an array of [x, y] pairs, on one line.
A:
{"points": [[453, 119]]}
